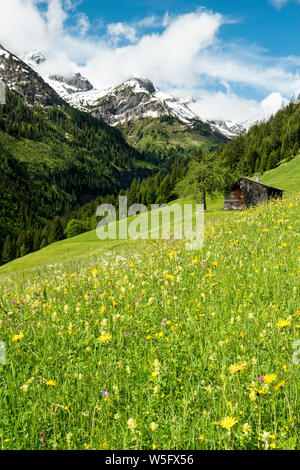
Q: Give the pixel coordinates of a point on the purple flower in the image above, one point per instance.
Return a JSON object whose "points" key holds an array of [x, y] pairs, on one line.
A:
{"points": [[261, 378], [105, 393]]}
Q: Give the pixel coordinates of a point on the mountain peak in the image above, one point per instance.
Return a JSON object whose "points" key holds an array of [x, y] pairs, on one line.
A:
{"points": [[35, 58], [21, 78], [73, 82], [142, 82]]}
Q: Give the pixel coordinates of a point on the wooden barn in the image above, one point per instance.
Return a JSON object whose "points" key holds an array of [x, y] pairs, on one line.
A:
{"points": [[247, 192]]}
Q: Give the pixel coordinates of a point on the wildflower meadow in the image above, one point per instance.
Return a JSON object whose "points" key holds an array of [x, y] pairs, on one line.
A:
{"points": [[157, 347]]}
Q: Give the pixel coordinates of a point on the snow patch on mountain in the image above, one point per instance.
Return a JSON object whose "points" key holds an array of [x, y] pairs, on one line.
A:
{"points": [[133, 99], [20, 77], [137, 97], [232, 128], [34, 58]]}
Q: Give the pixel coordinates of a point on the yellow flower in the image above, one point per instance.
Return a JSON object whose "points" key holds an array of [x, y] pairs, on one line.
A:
{"points": [[237, 367], [104, 337], [87, 447], [228, 422], [252, 395], [17, 337], [131, 423], [105, 445], [154, 446], [280, 385], [283, 323], [270, 378], [247, 429], [153, 426], [51, 383], [202, 437]]}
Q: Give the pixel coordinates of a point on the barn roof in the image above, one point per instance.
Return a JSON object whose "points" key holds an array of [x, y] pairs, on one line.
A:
{"points": [[259, 183]]}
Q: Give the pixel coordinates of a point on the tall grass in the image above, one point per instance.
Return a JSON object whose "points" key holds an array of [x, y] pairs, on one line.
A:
{"points": [[159, 347]]}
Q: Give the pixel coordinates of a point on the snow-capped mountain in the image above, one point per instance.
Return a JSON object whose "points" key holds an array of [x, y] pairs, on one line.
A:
{"points": [[232, 128], [63, 84], [69, 84], [20, 77], [34, 58], [136, 98], [133, 99]]}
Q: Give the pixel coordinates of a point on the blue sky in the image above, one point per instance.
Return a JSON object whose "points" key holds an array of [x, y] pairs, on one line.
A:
{"points": [[239, 59], [257, 21]]}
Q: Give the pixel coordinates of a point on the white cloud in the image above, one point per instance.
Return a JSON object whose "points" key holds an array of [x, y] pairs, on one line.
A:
{"points": [[280, 3], [164, 58], [221, 106], [121, 30], [82, 24], [179, 53]]}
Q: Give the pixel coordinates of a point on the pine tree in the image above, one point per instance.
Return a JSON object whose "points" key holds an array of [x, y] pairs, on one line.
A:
{"points": [[8, 250], [56, 232]]}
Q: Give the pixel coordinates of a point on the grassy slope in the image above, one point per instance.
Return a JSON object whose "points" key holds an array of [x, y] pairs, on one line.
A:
{"points": [[287, 176], [165, 348], [151, 133], [76, 248]]}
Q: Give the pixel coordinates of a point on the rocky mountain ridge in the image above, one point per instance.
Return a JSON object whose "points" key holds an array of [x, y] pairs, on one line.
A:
{"points": [[20, 77]]}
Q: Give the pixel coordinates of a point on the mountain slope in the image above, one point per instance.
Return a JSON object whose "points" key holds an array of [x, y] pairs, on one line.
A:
{"points": [[232, 128], [86, 245], [286, 176], [134, 99], [53, 159], [74, 154], [266, 144], [149, 119], [137, 98], [30, 86], [135, 104], [167, 132]]}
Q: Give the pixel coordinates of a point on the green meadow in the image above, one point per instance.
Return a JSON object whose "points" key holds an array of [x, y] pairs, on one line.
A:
{"points": [[145, 345]]}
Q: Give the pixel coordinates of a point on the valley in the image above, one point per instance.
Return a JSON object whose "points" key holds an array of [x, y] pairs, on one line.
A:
{"points": [[143, 344]]}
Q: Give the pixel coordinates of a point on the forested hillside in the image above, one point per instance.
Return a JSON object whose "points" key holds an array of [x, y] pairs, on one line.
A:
{"points": [[266, 144], [53, 160], [58, 163]]}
